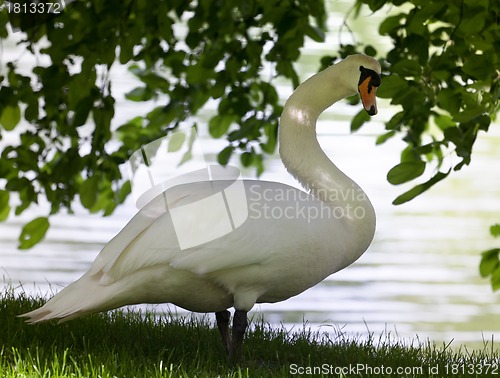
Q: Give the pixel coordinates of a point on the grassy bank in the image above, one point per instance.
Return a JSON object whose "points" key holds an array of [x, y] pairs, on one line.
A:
{"points": [[121, 344]]}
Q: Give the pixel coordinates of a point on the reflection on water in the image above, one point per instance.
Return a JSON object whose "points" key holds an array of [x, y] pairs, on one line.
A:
{"points": [[419, 277]]}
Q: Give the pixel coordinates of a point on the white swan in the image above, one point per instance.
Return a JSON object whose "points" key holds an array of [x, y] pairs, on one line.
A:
{"points": [[266, 259]]}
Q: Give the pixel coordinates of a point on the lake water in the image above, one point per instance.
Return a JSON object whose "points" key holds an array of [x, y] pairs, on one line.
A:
{"points": [[419, 276]]}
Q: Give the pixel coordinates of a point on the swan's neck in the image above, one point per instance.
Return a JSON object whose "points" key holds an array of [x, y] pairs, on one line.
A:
{"points": [[302, 154]]}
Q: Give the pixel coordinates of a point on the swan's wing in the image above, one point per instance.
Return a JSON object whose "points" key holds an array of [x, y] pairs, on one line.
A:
{"points": [[229, 252], [149, 240], [149, 214], [276, 226]]}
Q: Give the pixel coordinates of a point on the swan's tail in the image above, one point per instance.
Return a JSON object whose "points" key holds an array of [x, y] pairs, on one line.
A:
{"points": [[83, 296]]}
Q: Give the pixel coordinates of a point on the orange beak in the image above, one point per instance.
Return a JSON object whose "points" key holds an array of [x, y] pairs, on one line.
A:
{"points": [[367, 92]]}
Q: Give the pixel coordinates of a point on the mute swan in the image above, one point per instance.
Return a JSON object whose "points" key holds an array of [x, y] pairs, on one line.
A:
{"points": [[270, 257]]}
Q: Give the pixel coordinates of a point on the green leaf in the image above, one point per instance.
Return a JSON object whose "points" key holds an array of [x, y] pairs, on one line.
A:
{"points": [[186, 157], [4, 198], [224, 156], [219, 125], [489, 262], [449, 100], [384, 137], [4, 204], [393, 84], [375, 5], [258, 163], [370, 50], [479, 66], [139, 94], [33, 232], [107, 204], [410, 154], [468, 114], [391, 23], [495, 279], [396, 121], [31, 112], [404, 172], [407, 67], [483, 122], [4, 213], [473, 23], [88, 192], [285, 68], [359, 119], [315, 33], [246, 159], [82, 111], [176, 141], [11, 116], [495, 230], [444, 121], [271, 131], [419, 46], [125, 190], [4, 20], [419, 189]]}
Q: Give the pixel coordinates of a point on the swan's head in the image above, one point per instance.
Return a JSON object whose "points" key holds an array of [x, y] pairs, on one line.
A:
{"points": [[367, 71]]}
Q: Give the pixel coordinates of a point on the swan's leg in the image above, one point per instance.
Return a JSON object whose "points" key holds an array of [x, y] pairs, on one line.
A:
{"points": [[222, 318], [240, 323]]}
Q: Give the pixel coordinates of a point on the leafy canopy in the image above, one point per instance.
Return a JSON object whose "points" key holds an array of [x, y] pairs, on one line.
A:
{"points": [[444, 78], [442, 74], [184, 53]]}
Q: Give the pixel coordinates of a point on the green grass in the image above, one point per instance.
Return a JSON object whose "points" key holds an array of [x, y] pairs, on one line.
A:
{"points": [[126, 344]]}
